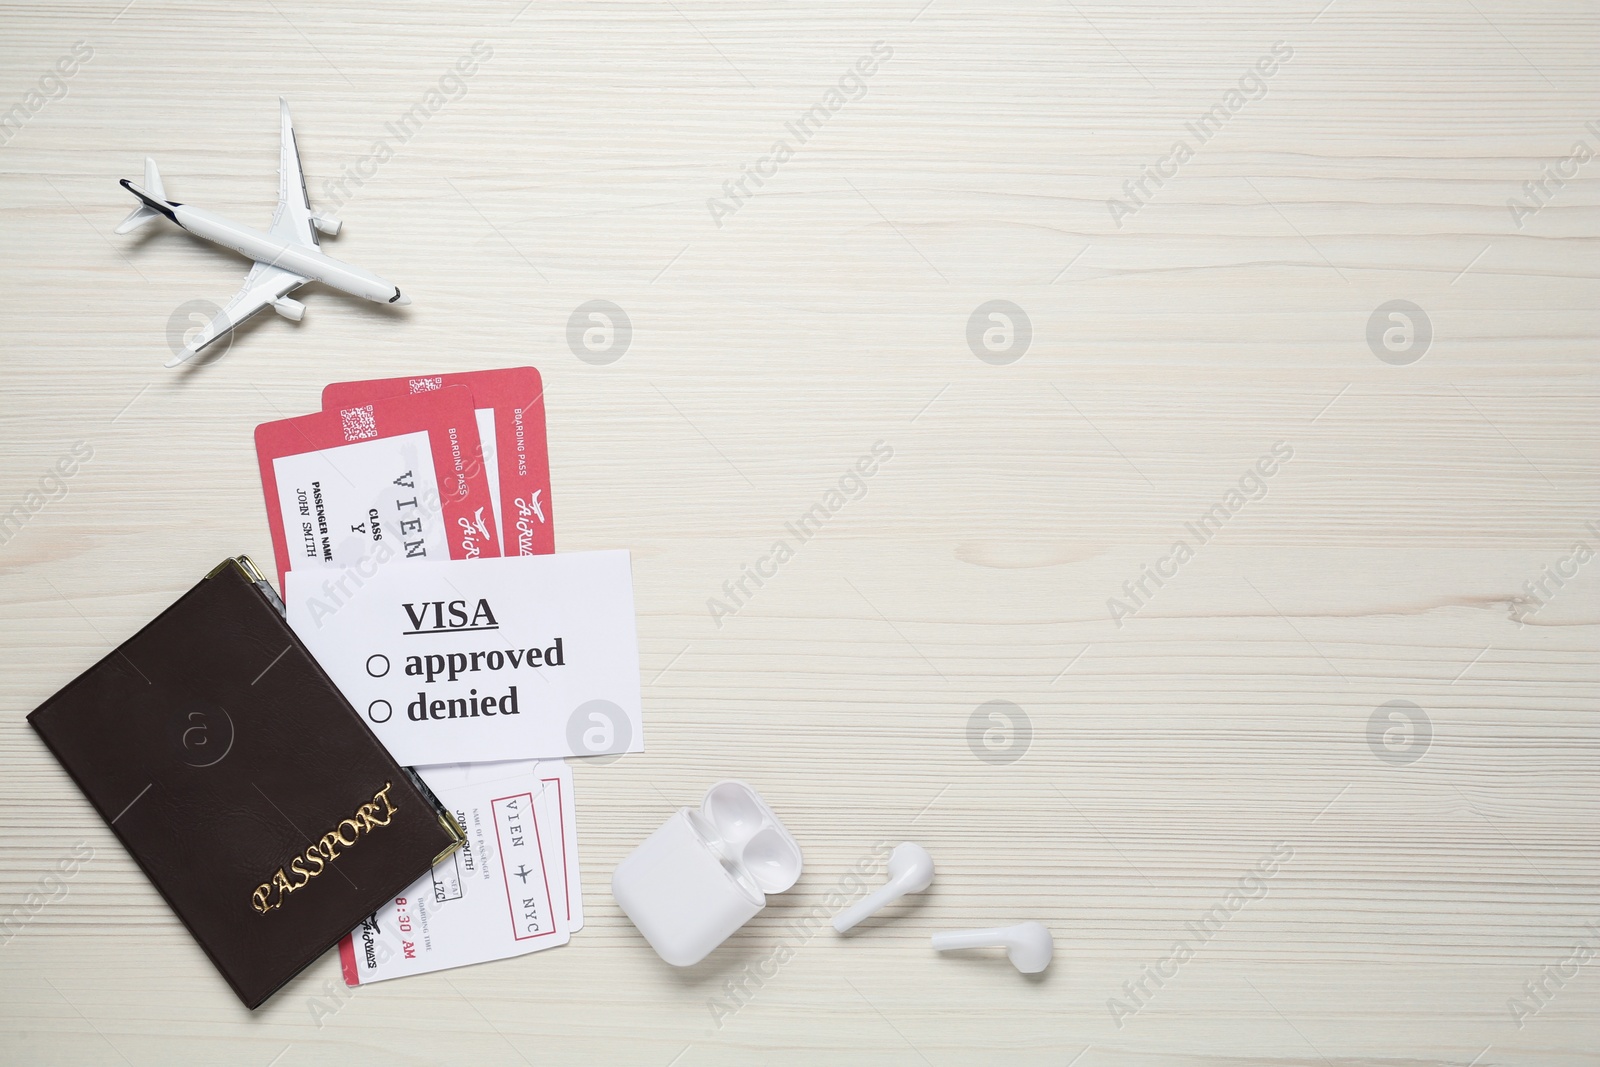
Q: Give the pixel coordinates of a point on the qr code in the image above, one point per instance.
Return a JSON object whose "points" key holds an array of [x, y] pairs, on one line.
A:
{"points": [[426, 385], [358, 423]]}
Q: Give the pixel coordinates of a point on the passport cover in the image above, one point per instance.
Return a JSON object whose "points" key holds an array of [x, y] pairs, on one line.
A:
{"points": [[243, 783]]}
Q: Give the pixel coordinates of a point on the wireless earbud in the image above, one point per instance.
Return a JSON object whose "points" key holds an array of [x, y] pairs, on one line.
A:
{"points": [[910, 871], [1028, 945]]}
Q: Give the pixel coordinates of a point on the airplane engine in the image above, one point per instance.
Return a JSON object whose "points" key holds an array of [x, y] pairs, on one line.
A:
{"points": [[293, 310], [327, 224]]}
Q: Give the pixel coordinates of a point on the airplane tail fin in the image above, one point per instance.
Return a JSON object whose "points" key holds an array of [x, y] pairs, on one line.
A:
{"points": [[152, 180], [144, 213]]}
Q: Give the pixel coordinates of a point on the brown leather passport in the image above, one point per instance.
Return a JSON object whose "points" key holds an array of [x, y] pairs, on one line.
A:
{"points": [[244, 784]]}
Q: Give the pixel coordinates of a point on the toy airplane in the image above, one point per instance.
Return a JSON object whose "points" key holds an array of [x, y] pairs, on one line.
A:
{"points": [[287, 254]]}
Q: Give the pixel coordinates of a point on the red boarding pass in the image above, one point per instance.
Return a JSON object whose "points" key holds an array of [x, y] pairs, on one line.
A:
{"points": [[510, 411], [394, 478]]}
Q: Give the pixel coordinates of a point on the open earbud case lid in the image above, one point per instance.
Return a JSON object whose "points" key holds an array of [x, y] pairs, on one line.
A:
{"points": [[751, 836]]}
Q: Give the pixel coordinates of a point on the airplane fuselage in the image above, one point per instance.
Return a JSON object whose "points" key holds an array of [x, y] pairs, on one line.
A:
{"points": [[302, 259], [264, 248]]}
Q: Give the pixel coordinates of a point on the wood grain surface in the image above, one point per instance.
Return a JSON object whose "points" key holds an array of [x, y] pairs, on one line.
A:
{"points": [[1247, 853]]}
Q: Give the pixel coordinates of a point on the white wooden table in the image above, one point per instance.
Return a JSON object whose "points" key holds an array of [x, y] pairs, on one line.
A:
{"points": [[1427, 860]]}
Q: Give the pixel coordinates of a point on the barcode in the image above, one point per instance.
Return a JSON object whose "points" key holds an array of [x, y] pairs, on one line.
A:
{"points": [[358, 423]]}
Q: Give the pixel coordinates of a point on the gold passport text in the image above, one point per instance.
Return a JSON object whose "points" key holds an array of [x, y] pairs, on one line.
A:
{"points": [[270, 895]]}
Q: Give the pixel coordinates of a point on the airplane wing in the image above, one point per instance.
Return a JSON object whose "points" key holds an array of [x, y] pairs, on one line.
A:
{"points": [[292, 222], [264, 284]]}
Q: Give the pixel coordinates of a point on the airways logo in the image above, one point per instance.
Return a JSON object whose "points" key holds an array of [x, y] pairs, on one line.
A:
{"points": [[436, 616]]}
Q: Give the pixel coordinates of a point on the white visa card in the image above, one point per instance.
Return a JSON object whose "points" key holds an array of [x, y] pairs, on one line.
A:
{"points": [[501, 894], [513, 657]]}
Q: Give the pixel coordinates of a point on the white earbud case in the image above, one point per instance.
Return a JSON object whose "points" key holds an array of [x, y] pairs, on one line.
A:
{"points": [[706, 872]]}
